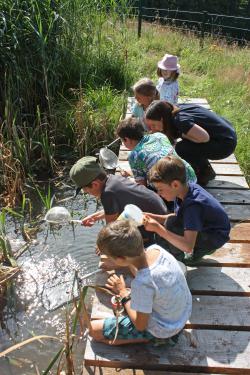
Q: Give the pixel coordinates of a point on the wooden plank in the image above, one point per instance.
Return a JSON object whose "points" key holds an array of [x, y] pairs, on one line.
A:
{"points": [[93, 370], [215, 351], [219, 281], [231, 196], [225, 169], [123, 155], [237, 212], [183, 100], [240, 233], [230, 255], [230, 159], [228, 182], [220, 312]]}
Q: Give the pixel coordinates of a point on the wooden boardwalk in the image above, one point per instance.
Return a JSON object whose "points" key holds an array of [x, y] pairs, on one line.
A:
{"points": [[216, 339]]}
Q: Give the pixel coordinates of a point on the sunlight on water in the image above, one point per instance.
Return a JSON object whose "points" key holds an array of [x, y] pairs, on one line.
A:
{"points": [[48, 270]]}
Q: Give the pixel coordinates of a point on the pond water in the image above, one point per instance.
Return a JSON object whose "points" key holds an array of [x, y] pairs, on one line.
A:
{"points": [[49, 262]]}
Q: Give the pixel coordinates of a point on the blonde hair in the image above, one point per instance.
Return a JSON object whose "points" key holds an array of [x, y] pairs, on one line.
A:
{"points": [[120, 238], [145, 87]]}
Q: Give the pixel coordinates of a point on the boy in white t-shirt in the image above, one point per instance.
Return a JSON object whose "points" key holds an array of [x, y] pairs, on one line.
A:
{"points": [[159, 303]]}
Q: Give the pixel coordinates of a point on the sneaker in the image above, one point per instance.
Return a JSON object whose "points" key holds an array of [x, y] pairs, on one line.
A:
{"points": [[205, 175]]}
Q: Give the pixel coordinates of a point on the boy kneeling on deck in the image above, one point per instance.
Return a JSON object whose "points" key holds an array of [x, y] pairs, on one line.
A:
{"points": [[159, 303], [199, 225]]}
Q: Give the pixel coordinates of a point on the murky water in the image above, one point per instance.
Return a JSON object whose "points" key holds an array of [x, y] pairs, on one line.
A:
{"points": [[47, 265]]}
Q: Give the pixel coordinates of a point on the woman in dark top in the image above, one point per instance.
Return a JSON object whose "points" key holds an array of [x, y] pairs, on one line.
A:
{"points": [[204, 134]]}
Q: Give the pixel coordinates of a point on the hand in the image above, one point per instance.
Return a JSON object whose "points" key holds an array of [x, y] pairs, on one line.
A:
{"points": [[125, 173], [88, 221], [117, 284], [150, 224]]}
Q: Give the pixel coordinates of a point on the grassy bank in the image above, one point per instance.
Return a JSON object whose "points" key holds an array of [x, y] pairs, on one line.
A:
{"points": [[218, 72], [67, 68]]}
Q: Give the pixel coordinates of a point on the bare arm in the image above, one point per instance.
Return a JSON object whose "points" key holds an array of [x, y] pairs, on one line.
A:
{"points": [[197, 134], [185, 243], [117, 284], [90, 220], [160, 218]]}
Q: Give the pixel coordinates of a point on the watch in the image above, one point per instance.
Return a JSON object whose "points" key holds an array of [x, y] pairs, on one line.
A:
{"points": [[125, 299]]}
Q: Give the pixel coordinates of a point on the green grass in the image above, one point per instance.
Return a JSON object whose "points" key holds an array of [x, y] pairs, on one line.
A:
{"points": [[218, 72], [67, 67]]}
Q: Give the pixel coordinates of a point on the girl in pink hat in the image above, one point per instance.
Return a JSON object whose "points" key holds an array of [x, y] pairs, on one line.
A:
{"points": [[168, 71]]}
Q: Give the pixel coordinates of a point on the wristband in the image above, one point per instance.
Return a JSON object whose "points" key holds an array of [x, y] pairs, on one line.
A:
{"points": [[125, 299]]}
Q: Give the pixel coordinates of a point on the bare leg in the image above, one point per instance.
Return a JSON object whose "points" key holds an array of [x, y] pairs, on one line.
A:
{"points": [[96, 333]]}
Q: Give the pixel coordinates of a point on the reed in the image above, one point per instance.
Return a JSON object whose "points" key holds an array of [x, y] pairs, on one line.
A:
{"points": [[50, 51]]}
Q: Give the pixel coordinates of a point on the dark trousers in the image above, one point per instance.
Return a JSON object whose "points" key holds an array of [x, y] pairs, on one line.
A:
{"points": [[197, 154], [203, 244]]}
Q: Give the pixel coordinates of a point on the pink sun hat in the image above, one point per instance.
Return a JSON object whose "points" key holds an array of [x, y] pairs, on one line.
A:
{"points": [[169, 62]]}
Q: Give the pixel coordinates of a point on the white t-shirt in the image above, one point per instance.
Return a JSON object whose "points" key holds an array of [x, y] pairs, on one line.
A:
{"points": [[161, 290], [169, 90]]}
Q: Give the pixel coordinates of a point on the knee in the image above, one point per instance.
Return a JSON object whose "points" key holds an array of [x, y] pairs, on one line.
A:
{"points": [[96, 330]]}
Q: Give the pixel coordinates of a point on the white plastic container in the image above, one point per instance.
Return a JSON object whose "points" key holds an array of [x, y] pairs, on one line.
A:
{"points": [[132, 212]]}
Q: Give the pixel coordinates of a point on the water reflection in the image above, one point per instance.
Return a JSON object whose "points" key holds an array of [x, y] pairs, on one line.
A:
{"points": [[50, 261]]}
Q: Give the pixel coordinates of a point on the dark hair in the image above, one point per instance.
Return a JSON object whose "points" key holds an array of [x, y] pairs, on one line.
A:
{"points": [[131, 128], [162, 110], [173, 77], [120, 238], [167, 170], [101, 176]]}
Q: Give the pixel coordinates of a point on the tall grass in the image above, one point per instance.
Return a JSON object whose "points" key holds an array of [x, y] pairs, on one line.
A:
{"points": [[50, 51], [218, 72]]}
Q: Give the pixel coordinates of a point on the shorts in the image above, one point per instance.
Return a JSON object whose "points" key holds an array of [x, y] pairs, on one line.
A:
{"points": [[126, 330]]}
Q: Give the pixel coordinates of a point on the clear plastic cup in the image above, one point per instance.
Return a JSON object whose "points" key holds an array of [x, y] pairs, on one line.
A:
{"points": [[132, 212]]}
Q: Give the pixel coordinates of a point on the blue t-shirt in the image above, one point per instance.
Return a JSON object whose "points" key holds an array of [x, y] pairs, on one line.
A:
{"points": [[201, 212], [216, 126]]}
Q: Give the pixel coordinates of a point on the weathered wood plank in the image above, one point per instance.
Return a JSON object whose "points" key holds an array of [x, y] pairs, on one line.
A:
{"points": [[123, 155], [231, 196], [237, 212], [230, 255], [213, 351], [93, 370], [230, 159], [240, 233], [183, 100], [225, 169], [219, 281], [228, 182], [220, 311]]}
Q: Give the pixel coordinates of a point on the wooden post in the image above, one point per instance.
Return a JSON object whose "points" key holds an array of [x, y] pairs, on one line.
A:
{"points": [[139, 18], [203, 26]]}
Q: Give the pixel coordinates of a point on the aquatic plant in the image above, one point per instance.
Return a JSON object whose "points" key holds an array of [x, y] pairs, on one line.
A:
{"points": [[37, 99]]}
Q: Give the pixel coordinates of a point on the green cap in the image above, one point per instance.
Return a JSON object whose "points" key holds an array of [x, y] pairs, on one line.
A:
{"points": [[84, 171]]}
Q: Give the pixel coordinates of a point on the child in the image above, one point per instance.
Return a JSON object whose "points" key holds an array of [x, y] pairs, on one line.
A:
{"points": [[146, 149], [199, 225], [114, 192], [203, 134], [168, 70], [159, 303], [145, 92]]}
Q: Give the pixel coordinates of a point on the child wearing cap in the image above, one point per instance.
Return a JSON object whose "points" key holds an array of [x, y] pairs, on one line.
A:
{"points": [[159, 302], [115, 192], [168, 70], [199, 224]]}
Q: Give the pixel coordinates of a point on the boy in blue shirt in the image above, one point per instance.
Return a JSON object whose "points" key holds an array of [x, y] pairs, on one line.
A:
{"points": [[199, 224]]}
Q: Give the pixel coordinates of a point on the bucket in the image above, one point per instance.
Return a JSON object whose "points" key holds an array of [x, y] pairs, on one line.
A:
{"points": [[132, 212]]}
